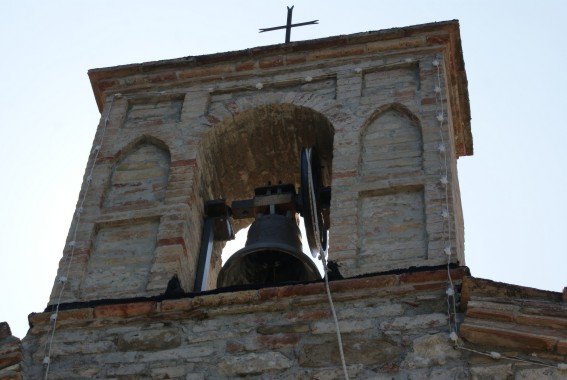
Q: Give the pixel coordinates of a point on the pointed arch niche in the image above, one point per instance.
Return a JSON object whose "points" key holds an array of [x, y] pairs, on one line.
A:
{"points": [[124, 249], [391, 209], [140, 176], [259, 146], [391, 144]]}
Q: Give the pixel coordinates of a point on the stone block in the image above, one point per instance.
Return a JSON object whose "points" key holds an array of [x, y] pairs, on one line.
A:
{"points": [[357, 351], [273, 329], [195, 376], [350, 326], [422, 321], [127, 369], [374, 311], [149, 340], [171, 372], [491, 372], [431, 350], [277, 341], [540, 373], [85, 347], [456, 372], [337, 373], [254, 364], [306, 315]]}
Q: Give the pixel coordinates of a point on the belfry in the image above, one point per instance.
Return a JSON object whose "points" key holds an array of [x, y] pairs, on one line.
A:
{"points": [[357, 137], [176, 135]]}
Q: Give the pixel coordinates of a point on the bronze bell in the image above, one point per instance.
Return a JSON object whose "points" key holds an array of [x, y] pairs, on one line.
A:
{"points": [[272, 254]]}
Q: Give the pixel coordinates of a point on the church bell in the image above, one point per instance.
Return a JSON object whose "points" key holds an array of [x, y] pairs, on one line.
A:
{"points": [[273, 253]]}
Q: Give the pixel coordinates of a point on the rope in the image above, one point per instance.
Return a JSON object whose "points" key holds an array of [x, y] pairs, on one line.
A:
{"points": [[323, 258]]}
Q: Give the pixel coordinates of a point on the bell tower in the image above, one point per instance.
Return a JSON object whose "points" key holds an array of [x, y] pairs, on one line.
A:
{"points": [[358, 136], [387, 115]]}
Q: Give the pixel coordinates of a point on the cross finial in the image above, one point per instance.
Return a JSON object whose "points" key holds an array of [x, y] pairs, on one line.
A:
{"points": [[289, 25]]}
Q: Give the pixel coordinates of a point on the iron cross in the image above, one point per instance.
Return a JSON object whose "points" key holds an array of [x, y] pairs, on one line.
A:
{"points": [[289, 25]]}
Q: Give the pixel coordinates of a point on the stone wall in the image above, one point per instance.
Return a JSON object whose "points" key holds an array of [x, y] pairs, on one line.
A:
{"points": [[393, 326]]}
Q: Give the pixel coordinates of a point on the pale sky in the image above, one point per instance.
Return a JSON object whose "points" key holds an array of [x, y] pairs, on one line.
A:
{"points": [[512, 187]]}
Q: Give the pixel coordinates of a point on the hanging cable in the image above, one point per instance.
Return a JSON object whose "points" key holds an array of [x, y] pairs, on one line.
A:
{"points": [[62, 280], [451, 292], [445, 208], [323, 258]]}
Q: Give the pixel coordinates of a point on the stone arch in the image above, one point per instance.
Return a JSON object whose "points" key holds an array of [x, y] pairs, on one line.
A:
{"points": [[339, 117], [140, 174], [391, 143], [257, 146]]}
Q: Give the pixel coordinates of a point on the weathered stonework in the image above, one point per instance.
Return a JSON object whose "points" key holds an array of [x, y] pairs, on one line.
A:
{"points": [[181, 132], [178, 133], [393, 326]]}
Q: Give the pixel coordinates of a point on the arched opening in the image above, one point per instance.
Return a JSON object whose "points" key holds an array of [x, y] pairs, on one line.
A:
{"points": [[259, 147], [394, 233]]}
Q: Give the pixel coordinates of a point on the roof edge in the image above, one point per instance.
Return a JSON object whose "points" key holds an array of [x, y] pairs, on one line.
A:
{"points": [[208, 66]]}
